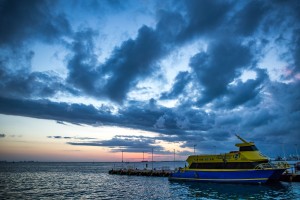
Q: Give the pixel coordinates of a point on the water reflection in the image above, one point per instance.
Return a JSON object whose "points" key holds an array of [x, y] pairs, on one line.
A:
{"points": [[235, 191], [92, 181]]}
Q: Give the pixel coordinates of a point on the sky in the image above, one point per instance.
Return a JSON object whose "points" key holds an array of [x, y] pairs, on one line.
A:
{"points": [[88, 80]]}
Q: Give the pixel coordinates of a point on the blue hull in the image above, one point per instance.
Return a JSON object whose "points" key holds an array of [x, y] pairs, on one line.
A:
{"points": [[240, 176]]}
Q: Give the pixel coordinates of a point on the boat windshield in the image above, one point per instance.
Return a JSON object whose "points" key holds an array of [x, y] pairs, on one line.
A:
{"points": [[248, 148]]}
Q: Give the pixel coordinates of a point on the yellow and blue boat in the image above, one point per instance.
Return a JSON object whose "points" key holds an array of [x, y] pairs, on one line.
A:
{"points": [[247, 165]]}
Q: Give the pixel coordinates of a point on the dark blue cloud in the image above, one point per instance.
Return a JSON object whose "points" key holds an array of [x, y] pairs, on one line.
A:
{"points": [[67, 137], [170, 25], [170, 121], [285, 30], [216, 103], [218, 67], [247, 20], [125, 143], [244, 94], [22, 24], [73, 113], [259, 118], [60, 122], [134, 59], [21, 21], [181, 80], [203, 17], [32, 85], [137, 115], [82, 72], [296, 50]]}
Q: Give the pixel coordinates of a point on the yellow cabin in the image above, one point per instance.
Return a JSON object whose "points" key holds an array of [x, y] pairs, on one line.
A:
{"points": [[248, 157]]}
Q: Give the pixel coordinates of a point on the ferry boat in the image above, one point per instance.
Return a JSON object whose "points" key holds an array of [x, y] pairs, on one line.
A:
{"points": [[247, 165]]}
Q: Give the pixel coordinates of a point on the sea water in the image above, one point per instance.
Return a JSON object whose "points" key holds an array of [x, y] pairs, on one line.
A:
{"points": [[91, 181]]}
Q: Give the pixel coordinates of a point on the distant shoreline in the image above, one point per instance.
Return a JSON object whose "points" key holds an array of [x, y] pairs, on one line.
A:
{"points": [[86, 161]]}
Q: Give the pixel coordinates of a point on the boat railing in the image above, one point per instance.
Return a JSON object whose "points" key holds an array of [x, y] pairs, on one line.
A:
{"points": [[264, 166], [280, 165]]}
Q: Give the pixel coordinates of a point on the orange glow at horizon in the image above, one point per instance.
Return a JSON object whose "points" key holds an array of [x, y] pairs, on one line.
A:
{"points": [[31, 141]]}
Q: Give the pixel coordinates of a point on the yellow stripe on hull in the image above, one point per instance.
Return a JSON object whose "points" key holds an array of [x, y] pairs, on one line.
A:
{"points": [[223, 170], [208, 179]]}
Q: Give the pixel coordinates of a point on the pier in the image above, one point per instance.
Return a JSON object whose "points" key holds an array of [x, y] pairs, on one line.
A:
{"points": [[140, 172], [145, 168], [290, 177], [292, 174]]}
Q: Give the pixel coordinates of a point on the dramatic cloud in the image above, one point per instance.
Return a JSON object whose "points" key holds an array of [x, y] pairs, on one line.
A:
{"points": [[67, 137], [134, 116], [203, 17], [249, 17], [136, 59], [133, 60], [181, 80], [296, 50], [56, 111], [204, 94], [222, 61], [82, 73], [244, 94], [125, 143], [32, 85], [21, 21]]}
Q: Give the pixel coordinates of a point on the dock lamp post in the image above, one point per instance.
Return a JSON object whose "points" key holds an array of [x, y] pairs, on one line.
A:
{"points": [[174, 159], [152, 158], [296, 146], [122, 155], [283, 151]]}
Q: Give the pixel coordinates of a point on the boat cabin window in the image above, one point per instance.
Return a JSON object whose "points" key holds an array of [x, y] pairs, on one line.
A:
{"points": [[248, 148], [228, 165]]}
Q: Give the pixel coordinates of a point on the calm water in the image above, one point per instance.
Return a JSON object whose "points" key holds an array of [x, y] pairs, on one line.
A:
{"points": [[92, 181]]}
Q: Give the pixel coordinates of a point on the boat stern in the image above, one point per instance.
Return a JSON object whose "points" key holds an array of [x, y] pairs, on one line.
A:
{"points": [[275, 177]]}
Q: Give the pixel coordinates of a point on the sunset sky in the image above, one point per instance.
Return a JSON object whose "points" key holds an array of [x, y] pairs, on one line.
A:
{"points": [[85, 80]]}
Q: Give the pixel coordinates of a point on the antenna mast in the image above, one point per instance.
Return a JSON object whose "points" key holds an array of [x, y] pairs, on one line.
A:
{"points": [[241, 138]]}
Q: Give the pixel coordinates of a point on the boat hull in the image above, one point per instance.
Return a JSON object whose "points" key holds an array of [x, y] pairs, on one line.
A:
{"points": [[238, 176]]}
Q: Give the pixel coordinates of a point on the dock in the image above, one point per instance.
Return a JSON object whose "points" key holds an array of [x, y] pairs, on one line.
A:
{"points": [[292, 174], [140, 172], [290, 177]]}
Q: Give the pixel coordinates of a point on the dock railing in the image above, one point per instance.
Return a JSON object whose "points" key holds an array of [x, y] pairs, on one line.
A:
{"points": [[138, 166], [283, 164]]}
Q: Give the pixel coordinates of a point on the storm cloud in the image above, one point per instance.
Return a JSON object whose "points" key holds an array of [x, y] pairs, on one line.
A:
{"points": [[24, 21], [221, 63], [210, 97], [125, 143]]}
